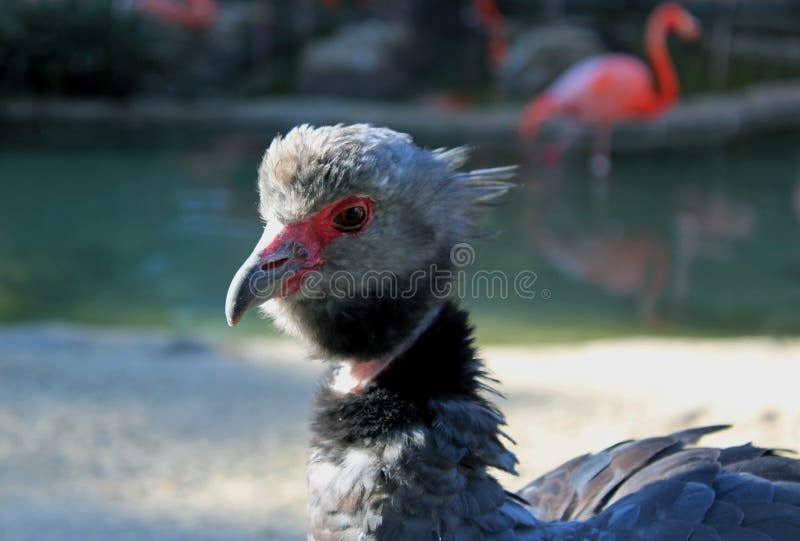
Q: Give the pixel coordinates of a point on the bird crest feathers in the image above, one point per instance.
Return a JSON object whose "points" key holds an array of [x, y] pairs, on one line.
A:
{"points": [[310, 165]]}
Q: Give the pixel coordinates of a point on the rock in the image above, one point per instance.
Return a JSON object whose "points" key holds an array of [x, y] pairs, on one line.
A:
{"points": [[364, 59], [540, 54]]}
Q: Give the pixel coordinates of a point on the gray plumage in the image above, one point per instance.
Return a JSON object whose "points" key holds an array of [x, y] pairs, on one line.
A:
{"points": [[409, 455], [424, 205]]}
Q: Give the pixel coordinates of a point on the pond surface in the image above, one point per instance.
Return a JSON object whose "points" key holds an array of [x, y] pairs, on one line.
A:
{"points": [[146, 226]]}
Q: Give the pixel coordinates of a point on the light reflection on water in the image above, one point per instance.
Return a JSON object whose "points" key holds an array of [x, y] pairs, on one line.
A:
{"points": [[144, 227]]}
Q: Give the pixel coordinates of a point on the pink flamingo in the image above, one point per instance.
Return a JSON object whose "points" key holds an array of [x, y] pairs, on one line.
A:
{"points": [[494, 23], [606, 89], [191, 14]]}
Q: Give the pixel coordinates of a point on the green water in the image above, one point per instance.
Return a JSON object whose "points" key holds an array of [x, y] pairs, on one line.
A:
{"points": [[139, 226]]}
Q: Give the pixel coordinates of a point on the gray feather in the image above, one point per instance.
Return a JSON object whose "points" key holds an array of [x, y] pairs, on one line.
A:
{"points": [[485, 185], [455, 158]]}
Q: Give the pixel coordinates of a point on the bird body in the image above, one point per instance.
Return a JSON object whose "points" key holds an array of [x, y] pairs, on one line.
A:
{"points": [[607, 89], [405, 435], [601, 90], [410, 457]]}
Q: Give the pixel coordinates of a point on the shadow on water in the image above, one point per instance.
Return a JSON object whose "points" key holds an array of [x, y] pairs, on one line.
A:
{"points": [[145, 226]]}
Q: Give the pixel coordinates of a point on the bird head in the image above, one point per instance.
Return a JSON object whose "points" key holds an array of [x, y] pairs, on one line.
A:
{"points": [[679, 21], [356, 216]]}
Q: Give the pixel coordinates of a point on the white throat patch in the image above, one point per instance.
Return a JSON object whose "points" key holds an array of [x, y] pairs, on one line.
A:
{"points": [[353, 376]]}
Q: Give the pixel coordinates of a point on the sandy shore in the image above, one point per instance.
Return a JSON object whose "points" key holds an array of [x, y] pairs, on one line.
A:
{"points": [[138, 435]]}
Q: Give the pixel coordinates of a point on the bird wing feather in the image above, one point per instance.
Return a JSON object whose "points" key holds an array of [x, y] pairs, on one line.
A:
{"points": [[580, 487], [660, 489]]}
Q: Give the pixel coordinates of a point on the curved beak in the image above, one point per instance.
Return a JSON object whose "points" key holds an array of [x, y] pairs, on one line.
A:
{"points": [[274, 269]]}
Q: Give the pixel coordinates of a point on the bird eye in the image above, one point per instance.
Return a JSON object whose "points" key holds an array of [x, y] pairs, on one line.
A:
{"points": [[350, 219]]}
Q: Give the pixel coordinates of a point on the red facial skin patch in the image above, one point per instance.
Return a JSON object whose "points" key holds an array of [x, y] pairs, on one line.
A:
{"points": [[309, 238]]}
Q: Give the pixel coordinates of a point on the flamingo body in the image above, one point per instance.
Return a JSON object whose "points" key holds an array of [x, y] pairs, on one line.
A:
{"points": [[606, 89]]}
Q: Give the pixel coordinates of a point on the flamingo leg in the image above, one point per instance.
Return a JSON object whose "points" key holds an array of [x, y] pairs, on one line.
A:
{"points": [[599, 168], [600, 161]]}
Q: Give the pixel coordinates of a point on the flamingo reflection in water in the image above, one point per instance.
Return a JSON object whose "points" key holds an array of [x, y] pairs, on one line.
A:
{"points": [[617, 261], [797, 200], [619, 264], [706, 224]]}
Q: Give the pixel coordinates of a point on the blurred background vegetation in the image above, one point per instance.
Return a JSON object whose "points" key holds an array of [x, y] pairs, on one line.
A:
{"points": [[114, 48]]}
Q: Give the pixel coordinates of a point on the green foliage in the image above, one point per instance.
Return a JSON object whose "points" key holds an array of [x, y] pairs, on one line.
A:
{"points": [[77, 47]]}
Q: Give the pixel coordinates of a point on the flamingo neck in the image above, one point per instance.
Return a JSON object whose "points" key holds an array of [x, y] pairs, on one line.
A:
{"points": [[666, 80]]}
